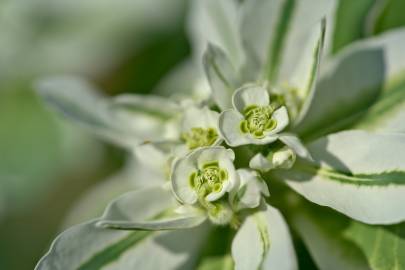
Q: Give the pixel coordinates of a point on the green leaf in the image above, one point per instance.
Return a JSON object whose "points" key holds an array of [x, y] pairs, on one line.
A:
{"points": [[384, 246], [215, 22], [366, 74], [141, 204], [224, 262], [357, 173], [88, 246], [305, 75], [351, 21], [154, 106], [322, 232], [277, 45], [390, 16], [283, 28], [387, 114], [172, 221], [92, 204], [125, 121], [125, 213], [263, 241]]}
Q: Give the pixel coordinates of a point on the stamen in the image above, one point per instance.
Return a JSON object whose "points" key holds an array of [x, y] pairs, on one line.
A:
{"points": [[208, 179], [258, 120], [200, 137]]}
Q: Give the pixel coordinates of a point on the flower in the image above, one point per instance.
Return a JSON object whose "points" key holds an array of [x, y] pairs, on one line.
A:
{"points": [[207, 173], [274, 122], [254, 120], [199, 128]]}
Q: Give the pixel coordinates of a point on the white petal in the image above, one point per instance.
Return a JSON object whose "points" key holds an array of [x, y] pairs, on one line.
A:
{"points": [[155, 156], [225, 158], [229, 126], [183, 168], [209, 154], [213, 196], [249, 193], [199, 117], [250, 95], [180, 178], [281, 116]]}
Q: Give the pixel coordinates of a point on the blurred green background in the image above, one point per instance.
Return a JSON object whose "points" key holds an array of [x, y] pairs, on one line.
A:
{"points": [[46, 163]]}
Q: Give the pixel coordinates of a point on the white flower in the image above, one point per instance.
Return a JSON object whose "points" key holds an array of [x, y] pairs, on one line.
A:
{"points": [[281, 159], [206, 174], [254, 120], [250, 190], [199, 128]]}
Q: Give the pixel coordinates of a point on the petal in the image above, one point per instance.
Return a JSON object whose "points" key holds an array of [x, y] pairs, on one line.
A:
{"points": [[263, 242], [196, 117], [185, 166], [180, 179], [250, 95], [155, 156], [281, 116], [217, 195], [249, 193], [225, 158], [209, 154], [229, 127]]}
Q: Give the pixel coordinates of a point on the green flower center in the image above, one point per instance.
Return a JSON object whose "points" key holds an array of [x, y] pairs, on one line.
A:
{"points": [[199, 137], [208, 179], [258, 119]]}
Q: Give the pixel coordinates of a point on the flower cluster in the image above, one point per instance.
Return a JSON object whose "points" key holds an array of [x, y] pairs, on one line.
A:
{"points": [[209, 162]]}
